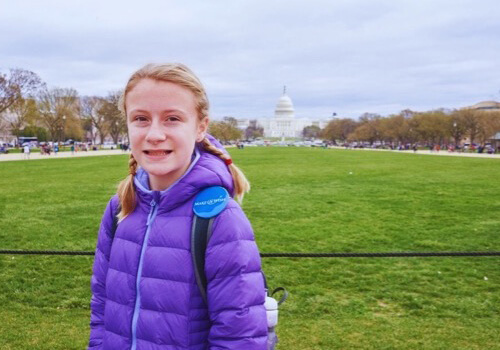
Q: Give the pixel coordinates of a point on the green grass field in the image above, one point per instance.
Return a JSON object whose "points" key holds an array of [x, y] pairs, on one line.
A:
{"points": [[302, 200]]}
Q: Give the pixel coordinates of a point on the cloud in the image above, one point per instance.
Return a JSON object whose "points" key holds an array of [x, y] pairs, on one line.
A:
{"points": [[347, 57]]}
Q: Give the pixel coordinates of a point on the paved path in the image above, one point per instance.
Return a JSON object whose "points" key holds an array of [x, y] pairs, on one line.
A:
{"points": [[427, 152], [20, 156]]}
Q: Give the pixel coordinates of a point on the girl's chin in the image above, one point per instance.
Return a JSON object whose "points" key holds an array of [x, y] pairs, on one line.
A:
{"points": [[153, 171]]}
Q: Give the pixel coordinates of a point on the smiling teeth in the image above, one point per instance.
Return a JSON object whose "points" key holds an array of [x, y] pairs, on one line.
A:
{"points": [[157, 153]]}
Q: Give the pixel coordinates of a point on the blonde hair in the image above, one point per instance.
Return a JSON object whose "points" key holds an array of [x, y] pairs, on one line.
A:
{"points": [[181, 75]]}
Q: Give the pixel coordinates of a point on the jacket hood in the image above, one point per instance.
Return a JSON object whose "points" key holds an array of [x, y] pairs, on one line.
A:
{"points": [[206, 170]]}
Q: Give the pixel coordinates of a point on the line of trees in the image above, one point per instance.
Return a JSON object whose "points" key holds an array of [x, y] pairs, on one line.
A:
{"points": [[227, 130], [29, 108], [432, 127]]}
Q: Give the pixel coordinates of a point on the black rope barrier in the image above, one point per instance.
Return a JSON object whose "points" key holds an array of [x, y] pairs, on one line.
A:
{"points": [[289, 255], [377, 255]]}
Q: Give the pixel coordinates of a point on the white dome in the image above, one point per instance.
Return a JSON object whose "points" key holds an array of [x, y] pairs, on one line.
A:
{"points": [[284, 105]]}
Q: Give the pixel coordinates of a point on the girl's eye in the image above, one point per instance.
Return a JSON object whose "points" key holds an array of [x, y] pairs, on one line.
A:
{"points": [[172, 118], [140, 118]]}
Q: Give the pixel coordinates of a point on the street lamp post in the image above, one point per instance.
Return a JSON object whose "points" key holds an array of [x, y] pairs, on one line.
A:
{"points": [[455, 133], [63, 127]]}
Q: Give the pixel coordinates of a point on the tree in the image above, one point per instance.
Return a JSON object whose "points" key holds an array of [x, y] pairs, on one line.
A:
{"points": [[59, 109], [22, 112], [88, 129], [432, 126], [471, 122], [20, 83], [35, 131], [339, 129], [368, 128], [457, 126], [254, 130], [113, 117], [225, 130], [488, 125], [396, 128], [311, 132], [92, 121]]}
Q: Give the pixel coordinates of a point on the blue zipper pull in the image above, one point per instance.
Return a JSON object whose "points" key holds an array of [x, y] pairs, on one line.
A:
{"points": [[153, 204]]}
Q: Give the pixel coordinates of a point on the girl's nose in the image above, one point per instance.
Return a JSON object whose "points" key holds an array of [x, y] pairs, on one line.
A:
{"points": [[155, 133]]}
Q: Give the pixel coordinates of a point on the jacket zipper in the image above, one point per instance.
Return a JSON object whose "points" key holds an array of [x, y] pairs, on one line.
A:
{"points": [[135, 317]]}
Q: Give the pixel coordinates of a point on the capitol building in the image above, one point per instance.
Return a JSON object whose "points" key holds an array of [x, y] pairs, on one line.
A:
{"points": [[284, 123]]}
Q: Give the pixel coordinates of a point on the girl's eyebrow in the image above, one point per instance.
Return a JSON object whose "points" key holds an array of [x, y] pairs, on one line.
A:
{"points": [[174, 111], [138, 111], [165, 111]]}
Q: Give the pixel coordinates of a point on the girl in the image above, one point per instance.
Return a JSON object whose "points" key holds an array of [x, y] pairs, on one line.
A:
{"points": [[144, 290]]}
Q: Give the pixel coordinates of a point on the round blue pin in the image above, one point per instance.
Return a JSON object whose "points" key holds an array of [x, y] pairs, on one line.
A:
{"points": [[210, 202]]}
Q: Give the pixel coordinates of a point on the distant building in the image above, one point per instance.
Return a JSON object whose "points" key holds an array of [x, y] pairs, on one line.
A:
{"points": [[284, 123], [495, 141], [486, 106]]}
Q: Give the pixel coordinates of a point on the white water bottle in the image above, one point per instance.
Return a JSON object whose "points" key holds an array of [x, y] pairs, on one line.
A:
{"points": [[272, 311], [272, 320]]}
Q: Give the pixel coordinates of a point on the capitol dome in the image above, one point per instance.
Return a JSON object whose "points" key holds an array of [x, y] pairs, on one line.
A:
{"points": [[284, 107], [284, 104]]}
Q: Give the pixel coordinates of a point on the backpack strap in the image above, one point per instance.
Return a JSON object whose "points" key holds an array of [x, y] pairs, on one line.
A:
{"points": [[115, 210], [200, 235], [206, 206]]}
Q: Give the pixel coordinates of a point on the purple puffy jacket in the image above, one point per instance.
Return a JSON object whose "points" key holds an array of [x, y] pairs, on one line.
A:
{"points": [[144, 292]]}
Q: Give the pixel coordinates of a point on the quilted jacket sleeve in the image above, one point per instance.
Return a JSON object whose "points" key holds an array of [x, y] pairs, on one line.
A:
{"points": [[98, 280], [235, 286]]}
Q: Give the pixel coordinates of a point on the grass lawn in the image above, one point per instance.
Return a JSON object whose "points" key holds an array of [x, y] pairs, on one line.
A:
{"points": [[302, 200]]}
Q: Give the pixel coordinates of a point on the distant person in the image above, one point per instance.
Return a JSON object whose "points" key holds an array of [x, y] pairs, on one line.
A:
{"points": [[56, 148], [26, 151], [72, 149], [145, 292]]}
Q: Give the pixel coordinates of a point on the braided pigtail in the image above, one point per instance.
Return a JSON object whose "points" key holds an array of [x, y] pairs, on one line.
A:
{"points": [[126, 190], [241, 184]]}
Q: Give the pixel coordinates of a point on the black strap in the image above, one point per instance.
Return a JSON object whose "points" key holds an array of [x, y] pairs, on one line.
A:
{"points": [[114, 223], [200, 235], [285, 294]]}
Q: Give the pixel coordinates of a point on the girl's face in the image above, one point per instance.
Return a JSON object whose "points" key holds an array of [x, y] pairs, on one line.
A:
{"points": [[163, 127]]}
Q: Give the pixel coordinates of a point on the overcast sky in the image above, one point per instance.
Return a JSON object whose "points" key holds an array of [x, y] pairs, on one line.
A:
{"points": [[347, 57]]}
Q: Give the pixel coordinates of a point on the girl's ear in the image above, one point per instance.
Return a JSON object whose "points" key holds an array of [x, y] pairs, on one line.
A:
{"points": [[202, 129]]}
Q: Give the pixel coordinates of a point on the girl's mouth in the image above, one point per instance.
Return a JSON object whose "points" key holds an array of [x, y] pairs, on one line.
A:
{"points": [[157, 152]]}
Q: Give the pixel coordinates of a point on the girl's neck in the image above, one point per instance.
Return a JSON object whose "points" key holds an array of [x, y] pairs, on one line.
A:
{"points": [[161, 183]]}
